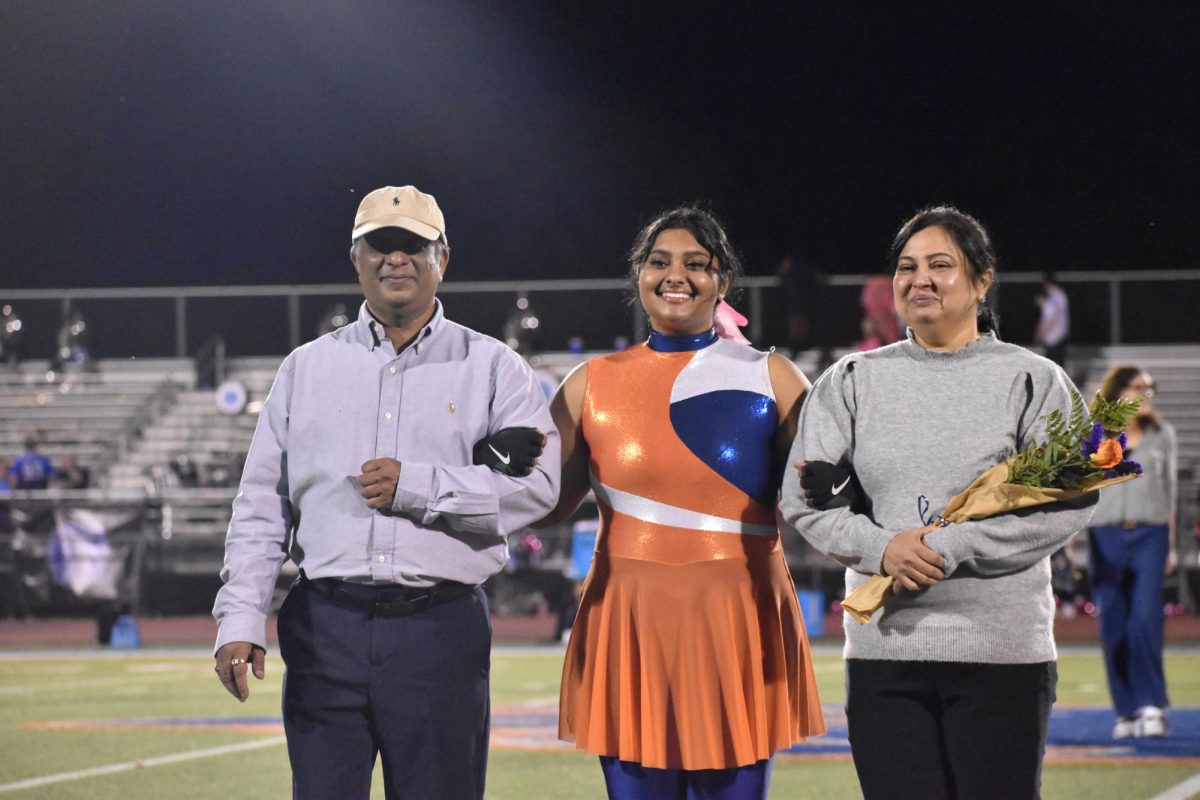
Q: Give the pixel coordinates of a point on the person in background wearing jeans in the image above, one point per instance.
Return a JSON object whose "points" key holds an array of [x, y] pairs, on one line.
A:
{"points": [[391, 458], [1132, 545]]}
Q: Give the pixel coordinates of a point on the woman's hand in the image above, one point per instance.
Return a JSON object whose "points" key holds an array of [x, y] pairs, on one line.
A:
{"points": [[911, 562]]}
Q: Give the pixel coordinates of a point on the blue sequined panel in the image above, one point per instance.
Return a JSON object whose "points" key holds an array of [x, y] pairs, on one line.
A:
{"points": [[731, 431]]}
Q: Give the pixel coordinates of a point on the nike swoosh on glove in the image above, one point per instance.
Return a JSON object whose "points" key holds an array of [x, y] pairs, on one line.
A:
{"points": [[510, 451], [828, 485]]}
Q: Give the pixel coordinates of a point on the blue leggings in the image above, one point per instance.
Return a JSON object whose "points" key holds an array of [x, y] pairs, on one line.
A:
{"points": [[627, 780]]}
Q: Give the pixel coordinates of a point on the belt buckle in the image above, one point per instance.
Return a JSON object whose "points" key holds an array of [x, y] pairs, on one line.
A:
{"points": [[1129, 524], [401, 607]]}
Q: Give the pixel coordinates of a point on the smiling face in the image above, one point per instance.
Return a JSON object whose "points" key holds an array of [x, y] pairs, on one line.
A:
{"points": [[934, 291], [399, 273], [679, 284]]}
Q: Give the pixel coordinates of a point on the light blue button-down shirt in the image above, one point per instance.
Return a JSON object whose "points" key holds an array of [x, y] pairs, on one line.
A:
{"points": [[348, 397]]}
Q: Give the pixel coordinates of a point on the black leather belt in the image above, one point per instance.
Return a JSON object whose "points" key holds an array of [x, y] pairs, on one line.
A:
{"points": [[388, 601]]}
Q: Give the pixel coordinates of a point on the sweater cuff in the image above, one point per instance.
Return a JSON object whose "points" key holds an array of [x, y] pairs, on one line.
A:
{"points": [[413, 489], [872, 545], [952, 544]]}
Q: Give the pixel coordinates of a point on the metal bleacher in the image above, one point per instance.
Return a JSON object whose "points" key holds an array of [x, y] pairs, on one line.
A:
{"points": [[190, 460], [92, 414]]}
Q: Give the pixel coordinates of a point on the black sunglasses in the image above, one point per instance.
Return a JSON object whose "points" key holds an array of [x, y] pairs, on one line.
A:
{"points": [[389, 240]]}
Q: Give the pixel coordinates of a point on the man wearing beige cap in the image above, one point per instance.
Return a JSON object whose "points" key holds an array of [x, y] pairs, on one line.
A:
{"points": [[390, 460]]}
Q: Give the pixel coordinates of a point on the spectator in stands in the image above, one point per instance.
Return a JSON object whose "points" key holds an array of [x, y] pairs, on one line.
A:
{"points": [[70, 474], [5, 519], [31, 469], [72, 347], [363, 461], [12, 331], [803, 285], [949, 689], [1054, 324], [688, 665], [1132, 542], [880, 325], [184, 470]]}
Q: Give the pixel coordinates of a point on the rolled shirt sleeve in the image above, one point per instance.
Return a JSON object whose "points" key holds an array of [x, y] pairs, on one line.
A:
{"points": [[474, 498]]}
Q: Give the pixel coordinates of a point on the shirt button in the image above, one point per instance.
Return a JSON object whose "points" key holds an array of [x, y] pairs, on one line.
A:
{"points": [[387, 415], [382, 559], [392, 369]]}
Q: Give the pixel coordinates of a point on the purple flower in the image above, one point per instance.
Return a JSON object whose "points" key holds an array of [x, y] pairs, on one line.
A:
{"points": [[1126, 467], [1122, 440]]}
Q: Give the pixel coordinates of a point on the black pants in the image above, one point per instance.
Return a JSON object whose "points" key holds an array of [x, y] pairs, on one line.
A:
{"points": [[411, 689], [922, 730]]}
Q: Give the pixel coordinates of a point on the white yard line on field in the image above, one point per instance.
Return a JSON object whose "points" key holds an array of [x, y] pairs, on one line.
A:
{"points": [[158, 761], [1181, 791], [93, 683]]}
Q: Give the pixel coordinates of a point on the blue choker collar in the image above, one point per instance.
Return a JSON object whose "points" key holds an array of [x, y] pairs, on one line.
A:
{"points": [[673, 343]]}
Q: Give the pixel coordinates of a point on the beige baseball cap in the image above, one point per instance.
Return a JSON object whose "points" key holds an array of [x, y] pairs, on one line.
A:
{"points": [[400, 207]]}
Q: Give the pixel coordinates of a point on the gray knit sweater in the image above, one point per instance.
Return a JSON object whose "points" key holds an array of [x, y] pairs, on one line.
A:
{"points": [[915, 424]]}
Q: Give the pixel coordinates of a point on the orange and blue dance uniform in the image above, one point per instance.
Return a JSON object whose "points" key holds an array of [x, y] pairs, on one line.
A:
{"points": [[688, 650]]}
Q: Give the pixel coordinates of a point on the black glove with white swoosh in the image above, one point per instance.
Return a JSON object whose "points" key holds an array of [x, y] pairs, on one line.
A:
{"points": [[511, 451], [827, 486]]}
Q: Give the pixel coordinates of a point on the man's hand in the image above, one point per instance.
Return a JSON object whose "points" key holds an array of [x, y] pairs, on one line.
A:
{"points": [[826, 485], [911, 562], [511, 451], [378, 479], [234, 661]]}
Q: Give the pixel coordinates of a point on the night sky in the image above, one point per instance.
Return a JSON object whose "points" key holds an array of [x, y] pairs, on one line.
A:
{"points": [[164, 142]]}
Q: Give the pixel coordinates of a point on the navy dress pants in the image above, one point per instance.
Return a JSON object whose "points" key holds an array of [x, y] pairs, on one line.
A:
{"points": [[412, 689], [1127, 583]]}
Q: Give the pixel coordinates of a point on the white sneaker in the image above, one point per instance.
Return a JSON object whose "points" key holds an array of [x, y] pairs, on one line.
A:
{"points": [[1151, 722], [1126, 728]]}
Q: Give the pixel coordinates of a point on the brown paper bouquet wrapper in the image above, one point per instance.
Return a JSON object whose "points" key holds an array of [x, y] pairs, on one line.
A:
{"points": [[987, 496]]}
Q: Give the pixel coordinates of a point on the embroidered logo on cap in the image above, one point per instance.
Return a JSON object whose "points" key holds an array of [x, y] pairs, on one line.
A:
{"points": [[395, 201]]}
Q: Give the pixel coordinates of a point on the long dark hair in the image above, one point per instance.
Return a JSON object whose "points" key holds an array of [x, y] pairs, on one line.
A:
{"points": [[969, 236], [1117, 380], [708, 232]]}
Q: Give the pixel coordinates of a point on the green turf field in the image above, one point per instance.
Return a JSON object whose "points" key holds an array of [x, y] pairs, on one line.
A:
{"points": [[39, 690]]}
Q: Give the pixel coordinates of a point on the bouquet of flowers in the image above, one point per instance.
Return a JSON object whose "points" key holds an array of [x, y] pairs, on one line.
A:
{"points": [[1083, 452]]}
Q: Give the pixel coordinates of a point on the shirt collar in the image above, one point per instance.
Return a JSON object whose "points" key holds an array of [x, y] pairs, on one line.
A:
{"points": [[370, 330]]}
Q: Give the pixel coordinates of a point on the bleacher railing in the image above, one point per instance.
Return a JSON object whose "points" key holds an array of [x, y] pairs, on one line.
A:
{"points": [[1108, 307]]}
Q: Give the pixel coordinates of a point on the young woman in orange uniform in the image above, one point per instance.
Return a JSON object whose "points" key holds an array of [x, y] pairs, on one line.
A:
{"points": [[688, 665]]}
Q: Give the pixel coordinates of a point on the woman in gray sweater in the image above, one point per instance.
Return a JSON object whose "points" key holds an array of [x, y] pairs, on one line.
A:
{"points": [[949, 688], [1132, 544]]}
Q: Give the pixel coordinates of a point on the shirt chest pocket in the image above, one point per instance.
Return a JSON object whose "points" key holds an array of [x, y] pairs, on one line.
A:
{"points": [[440, 420]]}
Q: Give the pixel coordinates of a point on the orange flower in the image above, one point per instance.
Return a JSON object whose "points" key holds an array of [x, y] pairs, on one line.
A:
{"points": [[1108, 454]]}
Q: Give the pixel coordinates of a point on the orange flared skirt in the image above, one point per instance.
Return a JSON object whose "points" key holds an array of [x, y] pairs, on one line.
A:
{"points": [[688, 652]]}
